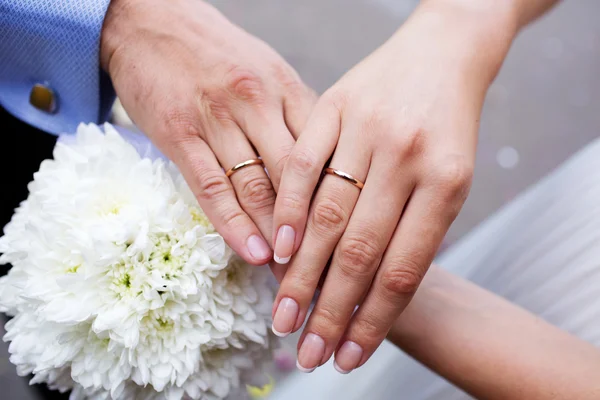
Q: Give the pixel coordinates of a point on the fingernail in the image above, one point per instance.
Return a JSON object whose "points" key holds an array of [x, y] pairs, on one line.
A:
{"points": [[284, 244], [285, 317], [347, 357], [311, 353], [258, 248]]}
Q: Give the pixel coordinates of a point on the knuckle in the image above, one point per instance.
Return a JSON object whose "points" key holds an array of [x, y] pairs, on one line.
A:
{"points": [[328, 216], [211, 186], [291, 201], [287, 77], [300, 284], [216, 103], [298, 93], [279, 165], [401, 280], [357, 256], [182, 124], [244, 84], [233, 217], [281, 159], [408, 144], [257, 192], [326, 321], [336, 97], [303, 162], [454, 176], [367, 329]]}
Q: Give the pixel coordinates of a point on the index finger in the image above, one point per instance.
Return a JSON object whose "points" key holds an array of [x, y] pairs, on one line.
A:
{"points": [[300, 177]]}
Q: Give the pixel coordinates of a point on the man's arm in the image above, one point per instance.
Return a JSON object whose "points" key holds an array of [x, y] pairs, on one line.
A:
{"points": [[50, 75], [211, 97], [491, 348]]}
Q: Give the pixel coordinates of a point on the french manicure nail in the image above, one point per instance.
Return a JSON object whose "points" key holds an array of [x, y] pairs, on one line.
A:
{"points": [[348, 357], [284, 244], [285, 317], [258, 248], [311, 352]]}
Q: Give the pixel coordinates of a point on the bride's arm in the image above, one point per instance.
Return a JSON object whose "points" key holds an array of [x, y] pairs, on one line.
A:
{"points": [[491, 348]]}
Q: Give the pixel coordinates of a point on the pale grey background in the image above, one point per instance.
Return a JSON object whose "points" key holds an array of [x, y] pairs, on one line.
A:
{"points": [[543, 106]]}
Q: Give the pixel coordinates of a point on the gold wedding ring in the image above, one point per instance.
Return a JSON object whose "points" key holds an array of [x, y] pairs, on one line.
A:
{"points": [[243, 164], [344, 176]]}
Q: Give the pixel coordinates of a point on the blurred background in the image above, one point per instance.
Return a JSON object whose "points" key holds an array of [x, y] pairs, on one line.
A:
{"points": [[542, 108]]}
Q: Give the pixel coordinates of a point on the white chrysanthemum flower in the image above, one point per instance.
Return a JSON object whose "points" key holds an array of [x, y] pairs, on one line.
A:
{"points": [[120, 286]]}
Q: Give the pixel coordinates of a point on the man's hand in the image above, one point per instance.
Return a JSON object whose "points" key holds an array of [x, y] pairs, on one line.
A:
{"points": [[209, 96]]}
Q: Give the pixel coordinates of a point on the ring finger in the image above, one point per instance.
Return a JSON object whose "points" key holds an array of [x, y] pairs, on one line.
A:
{"points": [[358, 254], [327, 219], [251, 184]]}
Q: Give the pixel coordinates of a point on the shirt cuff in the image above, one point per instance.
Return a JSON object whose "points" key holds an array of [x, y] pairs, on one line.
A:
{"points": [[55, 44]]}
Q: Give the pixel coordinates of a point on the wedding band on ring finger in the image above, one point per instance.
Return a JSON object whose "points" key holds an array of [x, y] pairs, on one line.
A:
{"points": [[243, 167], [243, 164], [345, 176]]}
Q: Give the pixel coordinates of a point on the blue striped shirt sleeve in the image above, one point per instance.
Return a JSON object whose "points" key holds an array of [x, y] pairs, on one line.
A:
{"points": [[54, 43]]}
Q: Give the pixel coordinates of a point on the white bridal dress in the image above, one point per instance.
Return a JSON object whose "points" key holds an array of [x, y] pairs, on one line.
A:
{"points": [[541, 251]]}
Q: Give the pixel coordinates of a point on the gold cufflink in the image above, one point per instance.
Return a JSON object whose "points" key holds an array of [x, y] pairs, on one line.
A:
{"points": [[43, 98]]}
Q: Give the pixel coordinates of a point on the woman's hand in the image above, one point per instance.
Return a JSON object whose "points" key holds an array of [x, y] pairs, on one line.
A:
{"points": [[404, 121], [210, 96]]}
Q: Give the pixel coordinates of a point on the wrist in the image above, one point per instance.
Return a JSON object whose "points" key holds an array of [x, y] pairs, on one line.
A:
{"points": [[427, 302], [130, 23], [482, 19], [111, 29], [471, 37], [443, 300]]}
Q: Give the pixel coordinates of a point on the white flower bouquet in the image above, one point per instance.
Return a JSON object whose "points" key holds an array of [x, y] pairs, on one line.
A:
{"points": [[120, 288]]}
